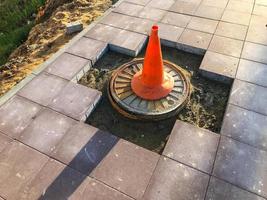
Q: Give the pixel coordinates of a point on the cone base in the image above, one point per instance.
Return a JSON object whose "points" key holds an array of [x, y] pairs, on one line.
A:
{"points": [[152, 93]]}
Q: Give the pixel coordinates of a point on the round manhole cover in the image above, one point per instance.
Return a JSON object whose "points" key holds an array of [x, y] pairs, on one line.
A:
{"points": [[129, 104]]}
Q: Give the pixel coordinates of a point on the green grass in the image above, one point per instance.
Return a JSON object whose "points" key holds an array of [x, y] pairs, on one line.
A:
{"points": [[14, 24]]}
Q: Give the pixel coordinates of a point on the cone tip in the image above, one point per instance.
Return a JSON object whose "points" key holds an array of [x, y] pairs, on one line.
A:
{"points": [[155, 28]]}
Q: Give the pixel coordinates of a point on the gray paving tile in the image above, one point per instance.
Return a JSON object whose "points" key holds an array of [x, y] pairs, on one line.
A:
{"points": [[259, 52], [252, 72], [240, 6], [165, 5], [236, 17], [103, 33], [67, 66], [83, 147], [242, 165], [257, 31], [152, 13], [220, 190], [184, 7], [209, 12], [76, 101], [192, 146], [249, 96], [215, 3], [127, 168], [16, 115], [140, 2], [46, 131], [245, 126], [129, 9], [204, 25], [226, 46], [194, 41], [230, 30], [128, 43], [43, 88], [4, 141], [219, 64], [176, 19], [172, 180], [54, 181], [169, 34], [88, 48], [19, 164], [98, 191]]}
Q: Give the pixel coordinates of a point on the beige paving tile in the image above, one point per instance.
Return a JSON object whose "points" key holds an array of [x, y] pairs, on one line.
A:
{"points": [[260, 10], [209, 12], [140, 2], [259, 52], [184, 7], [165, 5], [226, 46], [240, 6], [152, 13], [219, 64], [236, 17], [195, 39], [215, 3], [204, 25], [129, 9], [257, 31], [261, 2], [169, 34], [230, 30], [176, 19]]}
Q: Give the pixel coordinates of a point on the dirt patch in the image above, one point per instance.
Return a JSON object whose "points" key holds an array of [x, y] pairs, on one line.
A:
{"points": [[205, 108], [48, 37]]}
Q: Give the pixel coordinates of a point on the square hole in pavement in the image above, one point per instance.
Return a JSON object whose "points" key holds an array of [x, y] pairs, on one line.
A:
{"points": [[205, 108]]}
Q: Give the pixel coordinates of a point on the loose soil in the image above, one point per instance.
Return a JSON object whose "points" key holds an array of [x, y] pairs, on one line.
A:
{"points": [[204, 109]]}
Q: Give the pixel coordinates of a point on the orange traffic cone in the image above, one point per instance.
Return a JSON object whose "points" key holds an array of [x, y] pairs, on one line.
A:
{"points": [[152, 82]]}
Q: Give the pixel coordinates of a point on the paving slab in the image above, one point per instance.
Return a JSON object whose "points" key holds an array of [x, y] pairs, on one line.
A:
{"points": [[169, 34], [245, 126], [236, 17], [257, 31], [192, 146], [218, 66], [252, 72], [227, 46], [83, 147], [260, 10], [249, 96], [204, 25], [103, 33], [43, 88], [240, 6], [76, 101], [4, 141], [176, 19], [242, 165], [98, 191], [67, 66], [172, 180], [220, 190], [261, 2], [259, 52], [19, 164], [184, 7], [127, 168], [46, 131], [16, 115], [215, 3], [194, 41], [88, 48], [140, 2], [164, 5], [128, 43], [129, 9], [152, 13], [54, 181], [230, 30], [209, 12]]}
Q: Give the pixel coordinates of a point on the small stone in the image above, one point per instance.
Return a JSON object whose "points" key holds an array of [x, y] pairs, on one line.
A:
{"points": [[74, 27], [209, 99]]}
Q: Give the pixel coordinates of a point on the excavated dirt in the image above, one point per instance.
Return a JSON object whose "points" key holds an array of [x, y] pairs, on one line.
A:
{"points": [[48, 36], [205, 108]]}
